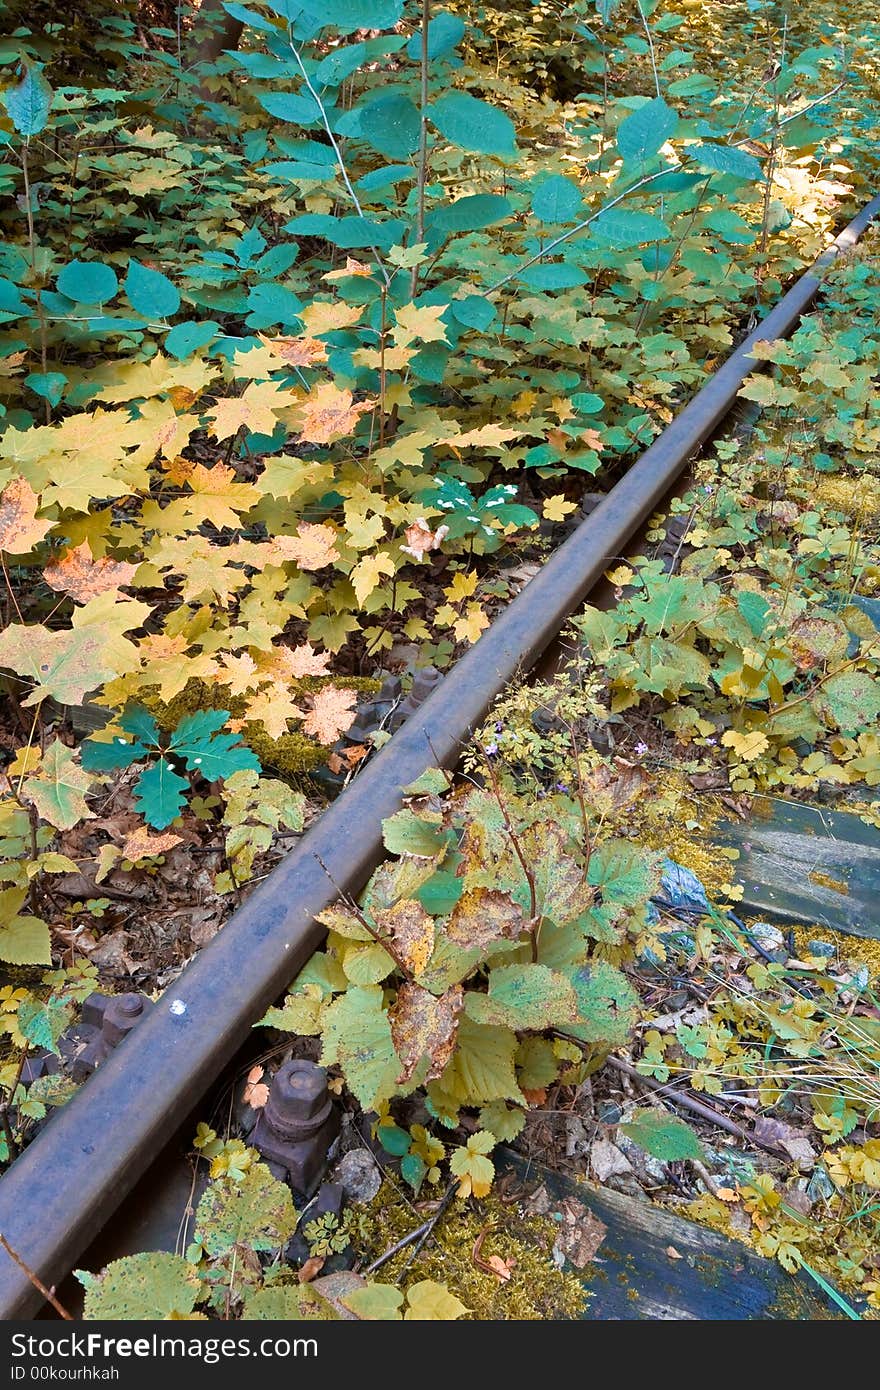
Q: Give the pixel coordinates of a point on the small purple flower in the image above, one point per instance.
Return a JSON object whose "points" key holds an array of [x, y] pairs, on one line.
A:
{"points": [[499, 725], [641, 749], [562, 786], [708, 489], [491, 749]]}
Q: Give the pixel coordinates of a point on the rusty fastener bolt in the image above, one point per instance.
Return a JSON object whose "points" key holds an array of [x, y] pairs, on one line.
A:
{"points": [[299, 1103], [121, 1014]]}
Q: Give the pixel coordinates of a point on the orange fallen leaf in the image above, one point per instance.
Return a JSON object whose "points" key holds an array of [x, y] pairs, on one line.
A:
{"points": [[256, 1092], [140, 844], [502, 1268], [83, 577], [331, 714], [534, 1095], [329, 413], [20, 529], [296, 352]]}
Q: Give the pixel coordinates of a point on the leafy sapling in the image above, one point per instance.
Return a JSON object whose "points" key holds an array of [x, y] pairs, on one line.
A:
{"points": [[196, 745]]}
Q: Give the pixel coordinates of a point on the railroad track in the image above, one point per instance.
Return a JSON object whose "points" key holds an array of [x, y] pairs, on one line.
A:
{"points": [[67, 1186]]}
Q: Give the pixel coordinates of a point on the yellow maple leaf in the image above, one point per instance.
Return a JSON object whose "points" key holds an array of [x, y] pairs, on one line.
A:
{"points": [[20, 529], [420, 324], [393, 359], [221, 498], [473, 621], [368, 572], [274, 708], [312, 548], [462, 586], [329, 413], [558, 507], [252, 410], [331, 713], [522, 405], [620, 576], [562, 409], [239, 673], [485, 436], [746, 746], [329, 315], [80, 575]]}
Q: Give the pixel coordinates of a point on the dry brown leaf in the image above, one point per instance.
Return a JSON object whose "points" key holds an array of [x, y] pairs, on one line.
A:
{"points": [[423, 1025], [140, 844], [331, 714], [420, 539], [329, 413], [256, 1092], [20, 529], [580, 1233], [83, 577], [610, 788], [484, 915], [311, 1269], [313, 546], [502, 1268], [296, 352], [673, 1253], [411, 930]]}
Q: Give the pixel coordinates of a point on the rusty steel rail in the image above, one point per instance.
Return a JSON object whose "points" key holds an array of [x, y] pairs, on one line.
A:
{"points": [[67, 1185]]}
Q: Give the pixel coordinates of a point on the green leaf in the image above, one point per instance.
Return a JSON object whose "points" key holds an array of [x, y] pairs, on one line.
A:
{"points": [[357, 1037], [663, 1136], [159, 794], [88, 282], [43, 1023], [29, 103], [524, 996], [375, 1303], [406, 833], [186, 338], [469, 214], [140, 1288], [138, 721], [278, 1303], [413, 1169], [608, 1006], [726, 159], [58, 790], [150, 292], [49, 385], [66, 663], [851, 701], [394, 1140], [552, 275], [623, 228], [429, 1301], [298, 1014], [481, 1068], [641, 135], [503, 1122], [24, 940], [624, 873], [207, 752], [391, 124], [256, 1212], [445, 31], [346, 15], [473, 124], [557, 199], [107, 757]]}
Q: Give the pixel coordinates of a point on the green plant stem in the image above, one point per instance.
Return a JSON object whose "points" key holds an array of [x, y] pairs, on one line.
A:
{"points": [[37, 290], [334, 143], [423, 143]]}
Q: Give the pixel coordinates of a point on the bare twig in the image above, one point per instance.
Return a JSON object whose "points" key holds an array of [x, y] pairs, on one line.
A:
{"points": [[48, 1294], [385, 942]]}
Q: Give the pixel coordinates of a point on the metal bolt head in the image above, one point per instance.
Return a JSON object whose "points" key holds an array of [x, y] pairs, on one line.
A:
{"points": [[120, 1016], [299, 1090]]}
